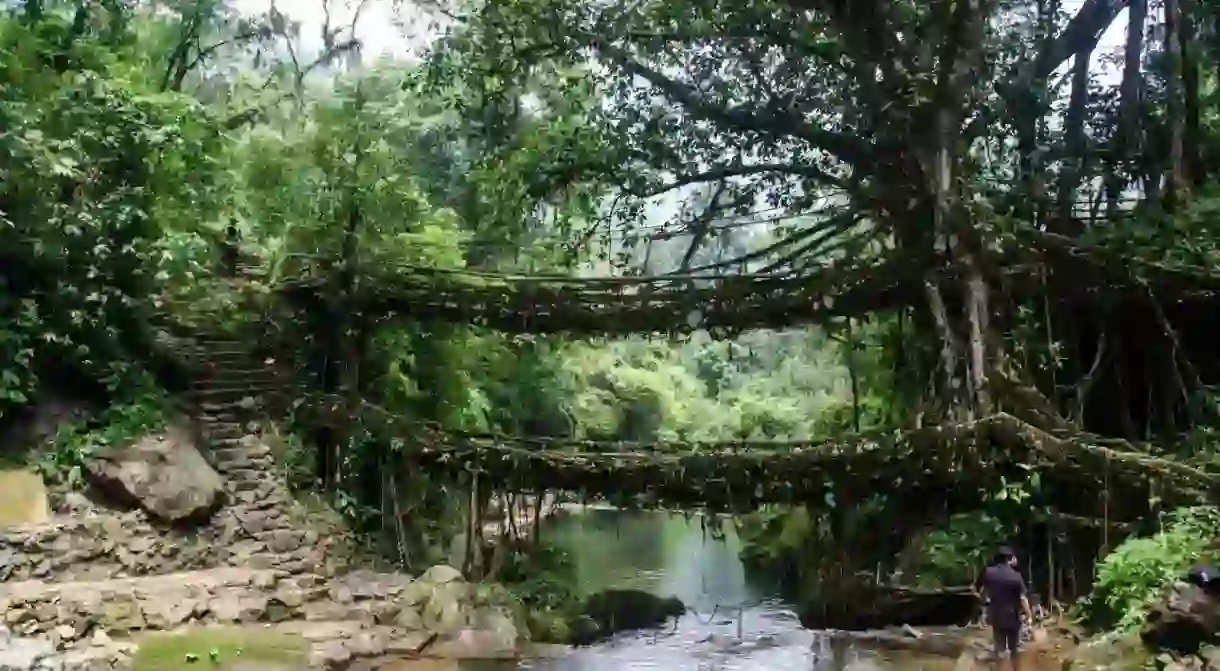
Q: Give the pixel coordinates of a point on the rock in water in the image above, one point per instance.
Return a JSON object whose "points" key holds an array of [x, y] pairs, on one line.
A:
{"points": [[1185, 621], [617, 610], [163, 474]]}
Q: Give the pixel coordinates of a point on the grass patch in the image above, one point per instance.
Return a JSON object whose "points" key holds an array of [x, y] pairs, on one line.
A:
{"points": [[23, 498], [221, 649]]}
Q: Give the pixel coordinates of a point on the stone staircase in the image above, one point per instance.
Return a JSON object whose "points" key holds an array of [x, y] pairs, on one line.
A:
{"points": [[260, 526], [232, 393]]}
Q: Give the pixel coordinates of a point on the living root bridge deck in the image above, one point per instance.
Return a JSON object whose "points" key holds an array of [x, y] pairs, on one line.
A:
{"points": [[624, 305], [1081, 273], [957, 463]]}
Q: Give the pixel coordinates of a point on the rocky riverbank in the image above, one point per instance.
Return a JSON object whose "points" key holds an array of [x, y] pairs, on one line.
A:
{"points": [[217, 544], [362, 614]]}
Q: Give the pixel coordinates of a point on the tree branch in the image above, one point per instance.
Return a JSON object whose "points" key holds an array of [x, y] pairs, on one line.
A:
{"points": [[250, 114], [850, 150], [720, 174], [701, 227], [867, 25], [828, 230], [202, 54], [1091, 20]]}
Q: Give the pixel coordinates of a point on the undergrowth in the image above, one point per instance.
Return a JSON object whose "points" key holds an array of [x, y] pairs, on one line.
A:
{"points": [[543, 579], [1140, 571], [76, 442]]}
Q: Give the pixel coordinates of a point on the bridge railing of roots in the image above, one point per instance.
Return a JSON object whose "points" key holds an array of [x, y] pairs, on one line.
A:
{"points": [[1097, 480]]}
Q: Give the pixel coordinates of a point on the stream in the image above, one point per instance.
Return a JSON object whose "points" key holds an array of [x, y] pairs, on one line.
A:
{"points": [[737, 624]]}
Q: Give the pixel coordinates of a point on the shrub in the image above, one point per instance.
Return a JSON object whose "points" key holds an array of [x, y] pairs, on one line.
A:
{"points": [[76, 442], [1141, 570]]}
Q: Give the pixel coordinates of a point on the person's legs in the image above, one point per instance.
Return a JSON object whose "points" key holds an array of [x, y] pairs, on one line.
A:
{"points": [[999, 647], [1005, 643], [1013, 645]]}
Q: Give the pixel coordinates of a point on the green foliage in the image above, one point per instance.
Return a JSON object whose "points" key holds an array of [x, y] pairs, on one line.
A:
{"points": [[759, 386], [1141, 570], [774, 540], [117, 426], [95, 164], [543, 578], [954, 553]]}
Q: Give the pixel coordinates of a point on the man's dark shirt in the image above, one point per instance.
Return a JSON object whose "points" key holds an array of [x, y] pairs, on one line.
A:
{"points": [[1005, 587]]}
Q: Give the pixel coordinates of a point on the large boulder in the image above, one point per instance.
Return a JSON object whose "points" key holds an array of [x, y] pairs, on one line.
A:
{"points": [[614, 610], [468, 621], [1185, 621], [162, 473]]}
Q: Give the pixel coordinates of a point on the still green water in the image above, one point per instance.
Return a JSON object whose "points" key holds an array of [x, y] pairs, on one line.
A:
{"points": [[737, 624]]}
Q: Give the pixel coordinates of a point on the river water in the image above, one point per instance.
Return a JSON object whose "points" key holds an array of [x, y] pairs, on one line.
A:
{"points": [[737, 624]]}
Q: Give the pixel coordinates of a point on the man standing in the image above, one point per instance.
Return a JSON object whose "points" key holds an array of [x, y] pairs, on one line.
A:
{"points": [[1004, 589]]}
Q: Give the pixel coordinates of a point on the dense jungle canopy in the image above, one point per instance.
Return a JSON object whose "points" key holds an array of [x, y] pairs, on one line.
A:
{"points": [[947, 213]]}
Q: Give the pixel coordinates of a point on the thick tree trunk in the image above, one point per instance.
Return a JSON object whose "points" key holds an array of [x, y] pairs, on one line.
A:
{"points": [[336, 346], [1127, 141], [1193, 136], [977, 325], [1175, 173], [950, 383], [1074, 160]]}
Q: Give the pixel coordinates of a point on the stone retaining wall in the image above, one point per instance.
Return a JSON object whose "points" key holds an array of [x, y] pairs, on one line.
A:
{"points": [[360, 614], [109, 544]]}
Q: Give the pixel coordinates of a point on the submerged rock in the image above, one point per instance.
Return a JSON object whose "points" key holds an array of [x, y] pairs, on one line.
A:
{"points": [[163, 474], [606, 613]]}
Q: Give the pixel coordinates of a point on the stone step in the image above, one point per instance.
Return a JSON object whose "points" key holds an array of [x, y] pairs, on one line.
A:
{"points": [[233, 395], [234, 446], [213, 424], [243, 365], [213, 344], [228, 426], [223, 359], [231, 362], [225, 411], [224, 420], [241, 376], [226, 439], [233, 463], [256, 468], [249, 478]]}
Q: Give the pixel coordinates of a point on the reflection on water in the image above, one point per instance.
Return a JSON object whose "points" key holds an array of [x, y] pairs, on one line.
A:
{"points": [[736, 625]]}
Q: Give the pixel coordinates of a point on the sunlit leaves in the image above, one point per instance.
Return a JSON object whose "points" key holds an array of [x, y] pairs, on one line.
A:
{"points": [[97, 166]]}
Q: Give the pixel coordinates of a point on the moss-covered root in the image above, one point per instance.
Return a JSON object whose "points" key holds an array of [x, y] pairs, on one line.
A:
{"points": [[222, 649]]}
